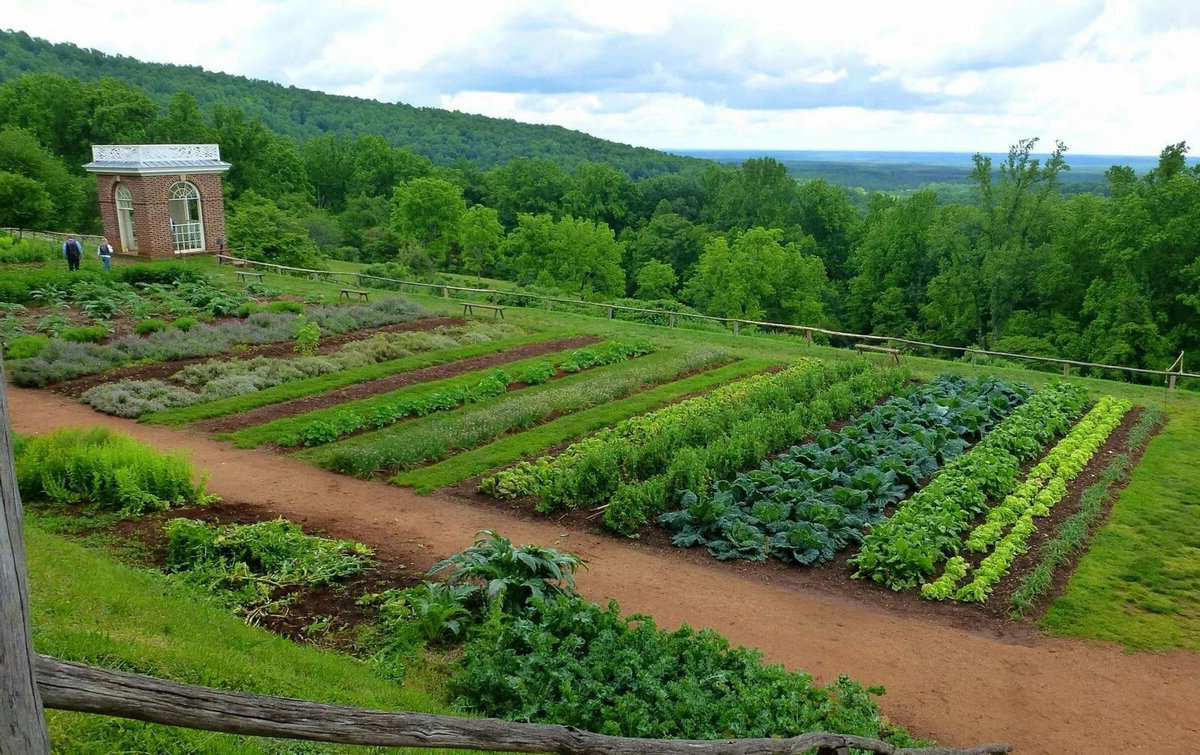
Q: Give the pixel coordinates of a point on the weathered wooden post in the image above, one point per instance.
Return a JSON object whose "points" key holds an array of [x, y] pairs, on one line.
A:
{"points": [[610, 313], [671, 320], [808, 336], [1171, 382], [736, 327], [22, 725], [445, 292], [1066, 370]]}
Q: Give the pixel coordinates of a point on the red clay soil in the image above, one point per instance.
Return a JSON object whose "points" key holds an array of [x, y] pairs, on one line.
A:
{"points": [[368, 388], [958, 686], [164, 370]]}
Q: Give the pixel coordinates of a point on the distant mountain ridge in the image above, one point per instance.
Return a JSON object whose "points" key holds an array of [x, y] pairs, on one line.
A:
{"points": [[441, 135]]}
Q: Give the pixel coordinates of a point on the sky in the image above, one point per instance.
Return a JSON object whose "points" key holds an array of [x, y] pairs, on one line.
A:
{"points": [[1105, 77]]}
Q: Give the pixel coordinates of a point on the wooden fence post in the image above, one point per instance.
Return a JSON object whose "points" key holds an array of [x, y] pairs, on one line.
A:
{"points": [[610, 313], [1171, 382], [1066, 370], [736, 327], [445, 292], [808, 336], [671, 320], [22, 725]]}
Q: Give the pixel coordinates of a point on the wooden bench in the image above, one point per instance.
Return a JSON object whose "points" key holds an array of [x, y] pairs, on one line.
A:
{"points": [[243, 275], [893, 353], [351, 292], [469, 309]]}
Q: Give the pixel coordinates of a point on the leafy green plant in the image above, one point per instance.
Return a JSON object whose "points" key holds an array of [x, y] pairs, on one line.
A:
{"points": [[105, 469], [256, 565], [537, 374], [148, 326], [53, 324], [25, 347], [495, 570], [308, 336], [85, 333], [286, 305], [184, 323]]}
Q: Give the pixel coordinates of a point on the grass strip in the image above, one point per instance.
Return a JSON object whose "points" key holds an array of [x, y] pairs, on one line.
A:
{"points": [[522, 445], [334, 380], [1074, 534], [89, 608], [435, 437], [285, 430]]}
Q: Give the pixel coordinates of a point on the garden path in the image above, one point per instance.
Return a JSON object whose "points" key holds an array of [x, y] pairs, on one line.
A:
{"points": [[1042, 694]]}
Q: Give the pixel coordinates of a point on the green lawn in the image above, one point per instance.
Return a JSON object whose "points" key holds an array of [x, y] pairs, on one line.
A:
{"points": [[1139, 585], [513, 448], [89, 608]]}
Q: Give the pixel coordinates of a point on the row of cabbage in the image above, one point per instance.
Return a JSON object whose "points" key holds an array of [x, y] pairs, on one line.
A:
{"points": [[1006, 530], [908, 548], [816, 499], [642, 466]]}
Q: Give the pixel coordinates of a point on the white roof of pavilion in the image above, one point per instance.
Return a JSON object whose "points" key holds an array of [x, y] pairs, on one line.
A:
{"points": [[156, 159]]}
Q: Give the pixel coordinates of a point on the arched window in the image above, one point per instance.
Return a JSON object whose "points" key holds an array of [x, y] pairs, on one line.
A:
{"points": [[185, 218], [125, 225]]}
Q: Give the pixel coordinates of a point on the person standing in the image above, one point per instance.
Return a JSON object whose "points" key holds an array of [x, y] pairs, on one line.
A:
{"points": [[105, 252], [73, 252]]}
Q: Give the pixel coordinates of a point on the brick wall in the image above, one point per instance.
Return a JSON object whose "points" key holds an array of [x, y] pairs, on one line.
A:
{"points": [[150, 214]]}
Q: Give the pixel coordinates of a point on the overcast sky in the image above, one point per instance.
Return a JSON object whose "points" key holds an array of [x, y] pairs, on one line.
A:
{"points": [[1116, 77]]}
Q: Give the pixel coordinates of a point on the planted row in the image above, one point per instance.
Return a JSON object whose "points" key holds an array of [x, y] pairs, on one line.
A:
{"points": [[906, 549], [63, 360], [1009, 525], [321, 431], [223, 378], [430, 438], [816, 499], [590, 470]]}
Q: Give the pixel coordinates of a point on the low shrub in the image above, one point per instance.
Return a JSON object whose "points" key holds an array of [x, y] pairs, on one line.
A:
{"points": [[162, 273], [284, 305], [146, 327], [133, 398], [102, 468], [25, 347], [84, 333], [184, 323], [248, 308], [257, 566]]}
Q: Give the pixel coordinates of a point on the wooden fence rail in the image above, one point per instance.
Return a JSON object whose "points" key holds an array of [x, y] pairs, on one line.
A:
{"points": [[74, 686], [1171, 374]]}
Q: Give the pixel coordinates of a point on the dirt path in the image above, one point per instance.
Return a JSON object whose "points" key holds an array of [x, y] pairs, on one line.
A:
{"points": [[1043, 695]]}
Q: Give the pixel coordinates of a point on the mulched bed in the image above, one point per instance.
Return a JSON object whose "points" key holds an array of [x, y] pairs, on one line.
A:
{"points": [[369, 388], [164, 370], [834, 578], [337, 602]]}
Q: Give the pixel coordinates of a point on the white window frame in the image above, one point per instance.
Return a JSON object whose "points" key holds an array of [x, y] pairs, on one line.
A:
{"points": [[126, 227], [188, 236]]}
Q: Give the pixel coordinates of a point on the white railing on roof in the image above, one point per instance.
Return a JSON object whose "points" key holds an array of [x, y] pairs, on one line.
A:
{"points": [[140, 153]]}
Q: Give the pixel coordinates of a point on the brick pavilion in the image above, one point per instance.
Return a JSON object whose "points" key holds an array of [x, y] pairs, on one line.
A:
{"points": [[160, 200]]}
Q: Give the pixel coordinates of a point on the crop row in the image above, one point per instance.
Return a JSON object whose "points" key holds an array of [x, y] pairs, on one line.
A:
{"points": [[320, 431], [816, 499], [1074, 533], [1009, 525], [907, 548], [224, 378], [431, 438], [640, 448], [63, 360]]}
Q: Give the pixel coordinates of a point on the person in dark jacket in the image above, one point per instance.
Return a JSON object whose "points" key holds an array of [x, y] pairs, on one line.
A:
{"points": [[73, 252], [105, 252]]}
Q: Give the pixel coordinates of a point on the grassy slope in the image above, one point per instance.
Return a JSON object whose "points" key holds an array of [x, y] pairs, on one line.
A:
{"points": [[91, 609], [535, 440], [335, 380], [278, 430], [1140, 582], [1158, 514]]}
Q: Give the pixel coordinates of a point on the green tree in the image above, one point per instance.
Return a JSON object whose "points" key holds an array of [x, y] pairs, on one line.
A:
{"points": [[24, 203], [259, 229], [71, 198], [601, 193], [480, 234], [428, 211], [529, 186], [183, 122], [655, 280]]}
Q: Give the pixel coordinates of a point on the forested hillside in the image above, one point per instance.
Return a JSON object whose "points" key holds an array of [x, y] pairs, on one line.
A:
{"points": [[1014, 264], [441, 135]]}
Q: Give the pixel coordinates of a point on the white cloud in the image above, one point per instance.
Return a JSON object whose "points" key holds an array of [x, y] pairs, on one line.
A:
{"points": [[1114, 76]]}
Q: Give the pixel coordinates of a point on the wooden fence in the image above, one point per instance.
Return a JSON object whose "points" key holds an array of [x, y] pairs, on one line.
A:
{"points": [[30, 682], [1170, 375]]}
